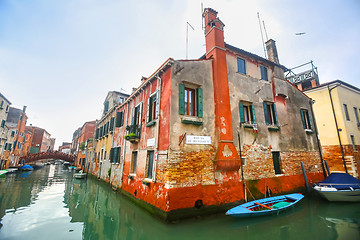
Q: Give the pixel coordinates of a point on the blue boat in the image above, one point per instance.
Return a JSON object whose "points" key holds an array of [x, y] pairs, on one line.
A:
{"points": [[265, 206], [27, 167]]}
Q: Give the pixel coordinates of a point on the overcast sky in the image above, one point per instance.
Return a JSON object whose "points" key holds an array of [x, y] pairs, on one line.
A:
{"points": [[60, 58]]}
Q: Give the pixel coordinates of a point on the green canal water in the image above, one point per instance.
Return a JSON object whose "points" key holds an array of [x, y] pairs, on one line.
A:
{"points": [[50, 204]]}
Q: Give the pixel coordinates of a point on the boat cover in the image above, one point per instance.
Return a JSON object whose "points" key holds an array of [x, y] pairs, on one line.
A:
{"points": [[26, 167], [341, 181]]}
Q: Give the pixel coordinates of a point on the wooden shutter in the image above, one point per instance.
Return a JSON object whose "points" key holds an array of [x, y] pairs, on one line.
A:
{"points": [[140, 113], [148, 114], [118, 119], [303, 118], [241, 65], [266, 114], [241, 112], [112, 124], [200, 102], [157, 104], [275, 115], [181, 99], [309, 120], [253, 114], [112, 155]]}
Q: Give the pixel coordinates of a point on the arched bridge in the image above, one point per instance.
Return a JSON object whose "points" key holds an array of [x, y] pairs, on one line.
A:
{"points": [[48, 155]]}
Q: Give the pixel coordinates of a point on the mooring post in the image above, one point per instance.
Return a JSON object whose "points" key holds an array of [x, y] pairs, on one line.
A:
{"points": [[306, 181], [327, 167]]}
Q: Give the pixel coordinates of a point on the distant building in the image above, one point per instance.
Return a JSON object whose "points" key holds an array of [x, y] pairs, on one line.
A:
{"points": [[52, 143], [40, 141], [16, 123], [337, 113], [4, 110], [65, 148], [86, 132]]}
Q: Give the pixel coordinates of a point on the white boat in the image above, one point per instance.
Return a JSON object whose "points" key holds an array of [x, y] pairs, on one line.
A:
{"points": [[339, 187], [80, 175], [12, 170]]}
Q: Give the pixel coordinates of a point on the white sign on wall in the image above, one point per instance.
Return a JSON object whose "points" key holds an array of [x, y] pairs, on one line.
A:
{"points": [[151, 142], [193, 139]]}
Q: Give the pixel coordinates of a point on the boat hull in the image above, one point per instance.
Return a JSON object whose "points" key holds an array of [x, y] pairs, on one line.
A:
{"points": [[80, 175], [248, 209], [339, 195]]}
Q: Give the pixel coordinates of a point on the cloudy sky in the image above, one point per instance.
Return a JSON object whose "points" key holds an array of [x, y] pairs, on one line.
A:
{"points": [[60, 58]]}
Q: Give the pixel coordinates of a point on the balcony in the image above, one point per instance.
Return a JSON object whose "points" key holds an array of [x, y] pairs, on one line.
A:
{"points": [[133, 133]]}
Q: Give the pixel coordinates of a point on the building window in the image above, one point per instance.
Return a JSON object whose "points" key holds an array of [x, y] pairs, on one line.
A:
{"points": [[13, 133], [149, 164], [7, 108], [133, 163], [1, 104], [276, 161], [247, 113], [106, 107], [190, 101], [270, 113], [264, 73], [119, 119], [356, 116], [241, 65], [152, 107], [305, 117], [3, 123], [346, 113], [115, 155], [353, 142], [136, 115], [111, 127]]}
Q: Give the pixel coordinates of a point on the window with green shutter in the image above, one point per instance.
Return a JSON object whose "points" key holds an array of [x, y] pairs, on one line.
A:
{"points": [[247, 113], [305, 118], [241, 65], [264, 73], [119, 119], [3, 123], [270, 113], [190, 101]]}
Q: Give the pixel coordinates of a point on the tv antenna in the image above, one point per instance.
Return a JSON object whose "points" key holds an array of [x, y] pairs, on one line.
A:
{"points": [[187, 37], [262, 37]]}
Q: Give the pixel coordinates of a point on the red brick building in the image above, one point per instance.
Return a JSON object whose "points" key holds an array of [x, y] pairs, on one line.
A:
{"points": [[86, 132], [200, 135]]}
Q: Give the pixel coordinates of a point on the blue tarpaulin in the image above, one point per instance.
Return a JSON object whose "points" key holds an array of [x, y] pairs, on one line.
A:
{"points": [[26, 167], [341, 181]]}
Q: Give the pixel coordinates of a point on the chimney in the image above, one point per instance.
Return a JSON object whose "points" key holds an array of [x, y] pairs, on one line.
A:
{"points": [[272, 51], [24, 109], [227, 157], [143, 79], [214, 30]]}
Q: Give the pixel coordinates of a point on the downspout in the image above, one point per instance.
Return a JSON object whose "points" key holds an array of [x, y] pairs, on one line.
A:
{"points": [[158, 87], [124, 147], [336, 124], [317, 138]]}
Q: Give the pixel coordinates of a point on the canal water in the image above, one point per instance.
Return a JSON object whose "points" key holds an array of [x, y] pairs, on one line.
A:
{"points": [[50, 204]]}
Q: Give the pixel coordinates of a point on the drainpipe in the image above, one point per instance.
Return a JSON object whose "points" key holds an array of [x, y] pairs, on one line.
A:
{"points": [[124, 146], [336, 124], [158, 87], [317, 138]]}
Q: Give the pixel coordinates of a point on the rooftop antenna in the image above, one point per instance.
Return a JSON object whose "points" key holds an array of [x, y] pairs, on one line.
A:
{"points": [[265, 31], [187, 37], [202, 18], [262, 37]]}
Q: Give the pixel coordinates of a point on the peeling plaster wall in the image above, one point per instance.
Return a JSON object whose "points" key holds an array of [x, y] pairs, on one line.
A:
{"points": [[292, 142]]}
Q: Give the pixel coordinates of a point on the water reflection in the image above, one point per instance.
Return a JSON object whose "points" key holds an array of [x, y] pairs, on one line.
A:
{"points": [[50, 203]]}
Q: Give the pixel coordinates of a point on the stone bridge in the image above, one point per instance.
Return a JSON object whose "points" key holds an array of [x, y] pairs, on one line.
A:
{"points": [[47, 155]]}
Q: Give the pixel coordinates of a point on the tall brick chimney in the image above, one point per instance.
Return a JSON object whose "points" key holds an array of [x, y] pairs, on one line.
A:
{"points": [[227, 157], [272, 51]]}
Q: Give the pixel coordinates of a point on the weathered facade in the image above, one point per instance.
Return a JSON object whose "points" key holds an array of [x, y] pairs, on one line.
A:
{"points": [[337, 112], [4, 110], [198, 135], [86, 132]]}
